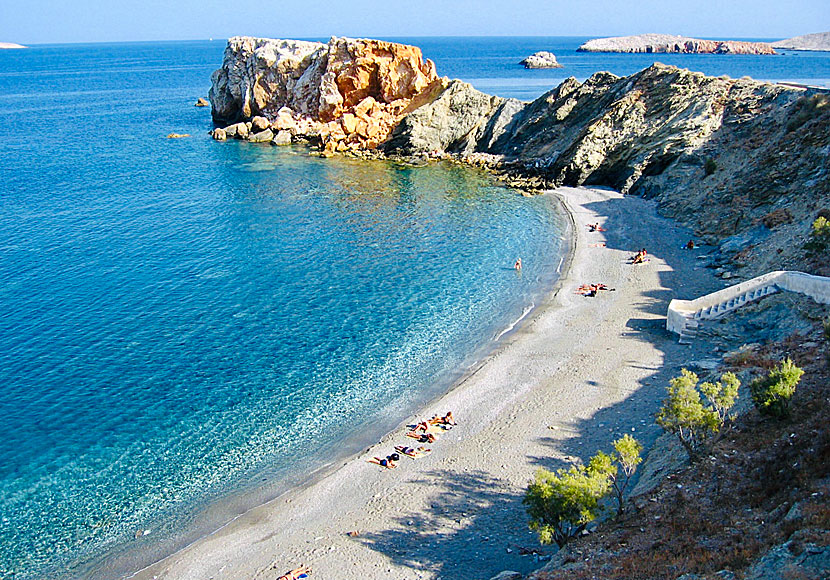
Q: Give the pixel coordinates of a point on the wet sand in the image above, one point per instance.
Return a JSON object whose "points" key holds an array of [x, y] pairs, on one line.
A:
{"points": [[576, 375]]}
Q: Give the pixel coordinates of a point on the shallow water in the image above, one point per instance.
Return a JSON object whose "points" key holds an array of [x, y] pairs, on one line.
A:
{"points": [[183, 321]]}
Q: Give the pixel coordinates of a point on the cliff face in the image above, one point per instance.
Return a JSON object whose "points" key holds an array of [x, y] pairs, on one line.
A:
{"points": [[655, 43], [350, 92], [726, 156]]}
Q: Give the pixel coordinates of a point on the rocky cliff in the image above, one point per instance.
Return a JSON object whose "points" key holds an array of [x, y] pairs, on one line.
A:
{"points": [[727, 156], [819, 41], [670, 43], [350, 93]]}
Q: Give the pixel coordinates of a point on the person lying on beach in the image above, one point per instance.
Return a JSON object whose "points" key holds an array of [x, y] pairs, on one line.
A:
{"points": [[595, 228], [445, 420], [422, 437], [388, 462], [592, 289], [302, 572], [413, 453], [422, 426]]}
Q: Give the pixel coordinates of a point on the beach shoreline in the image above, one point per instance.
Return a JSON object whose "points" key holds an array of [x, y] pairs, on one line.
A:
{"points": [[430, 518]]}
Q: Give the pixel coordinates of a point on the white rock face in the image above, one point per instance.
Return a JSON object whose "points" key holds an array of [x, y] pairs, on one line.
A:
{"points": [[10, 45], [660, 43], [541, 59], [817, 41]]}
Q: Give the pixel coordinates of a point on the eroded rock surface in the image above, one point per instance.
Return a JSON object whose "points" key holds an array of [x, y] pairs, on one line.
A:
{"points": [[818, 41], [349, 93], [670, 43]]}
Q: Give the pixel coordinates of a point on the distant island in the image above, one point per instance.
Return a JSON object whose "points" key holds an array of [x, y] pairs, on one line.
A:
{"points": [[668, 43], [10, 45], [818, 41], [541, 59]]}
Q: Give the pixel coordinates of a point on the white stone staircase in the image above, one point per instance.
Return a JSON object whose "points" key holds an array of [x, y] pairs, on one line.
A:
{"points": [[683, 315]]}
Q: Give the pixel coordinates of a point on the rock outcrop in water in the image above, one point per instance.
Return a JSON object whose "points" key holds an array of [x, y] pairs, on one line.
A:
{"points": [[819, 41], [668, 43], [541, 59], [349, 93]]}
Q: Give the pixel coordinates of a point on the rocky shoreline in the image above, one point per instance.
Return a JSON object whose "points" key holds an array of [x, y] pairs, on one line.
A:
{"points": [[820, 41], [662, 43]]}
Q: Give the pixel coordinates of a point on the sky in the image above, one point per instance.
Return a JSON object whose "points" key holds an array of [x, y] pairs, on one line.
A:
{"points": [[64, 21]]}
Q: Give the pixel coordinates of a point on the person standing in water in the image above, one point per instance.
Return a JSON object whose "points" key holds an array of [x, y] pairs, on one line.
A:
{"points": [[518, 264]]}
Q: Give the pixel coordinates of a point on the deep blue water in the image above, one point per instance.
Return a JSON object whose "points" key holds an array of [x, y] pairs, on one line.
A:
{"points": [[184, 323]]}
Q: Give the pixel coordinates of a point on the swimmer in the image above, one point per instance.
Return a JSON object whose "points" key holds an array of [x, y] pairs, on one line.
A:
{"points": [[518, 264]]}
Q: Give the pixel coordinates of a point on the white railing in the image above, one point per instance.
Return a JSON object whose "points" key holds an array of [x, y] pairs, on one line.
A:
{"points": [[683, 315]]}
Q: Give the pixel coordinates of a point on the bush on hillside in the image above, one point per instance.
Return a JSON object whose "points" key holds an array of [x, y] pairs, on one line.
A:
{"points": [[710, 166], [771, 394], [562, 504], [819, 240], [698, 424]]}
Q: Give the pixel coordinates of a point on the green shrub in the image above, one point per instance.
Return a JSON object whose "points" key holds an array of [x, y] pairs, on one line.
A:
{"points": [[562, 504], [771, 394], [684, 413], [819, 240], [710, 166]]}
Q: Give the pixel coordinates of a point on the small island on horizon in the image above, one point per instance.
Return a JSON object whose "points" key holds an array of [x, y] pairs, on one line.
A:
{"points": [[668, 43], [11, 45]]}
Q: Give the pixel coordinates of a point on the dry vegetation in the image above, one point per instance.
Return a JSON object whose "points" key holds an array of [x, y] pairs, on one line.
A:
{"points": [[730, 508]]}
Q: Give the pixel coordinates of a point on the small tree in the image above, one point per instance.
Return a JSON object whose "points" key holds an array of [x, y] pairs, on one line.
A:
{"points": [[819, 241], [628, 457], [697, 425], [562, 504], [771, 394]]}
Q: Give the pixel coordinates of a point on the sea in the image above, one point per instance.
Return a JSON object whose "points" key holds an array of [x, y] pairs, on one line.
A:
{"points": [[190, 328]]}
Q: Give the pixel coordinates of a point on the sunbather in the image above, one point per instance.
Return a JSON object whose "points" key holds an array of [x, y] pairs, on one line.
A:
{"points": [[445, 420], [302, 572]]}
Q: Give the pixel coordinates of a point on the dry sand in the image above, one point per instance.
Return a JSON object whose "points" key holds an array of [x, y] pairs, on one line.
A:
{"points": [[581, 372]]}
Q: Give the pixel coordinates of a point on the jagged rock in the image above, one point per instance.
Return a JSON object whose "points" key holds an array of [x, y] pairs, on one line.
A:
{"points": [[453, 122], [305, 86], [282, 138], [652, 43], [201, 102], [794, 560], [261, 137], [541, 59], [219, 134], [818, 41]]}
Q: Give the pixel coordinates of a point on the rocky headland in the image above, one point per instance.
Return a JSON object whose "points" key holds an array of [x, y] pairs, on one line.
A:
{"points": [[819, 41], [541, 59], [657, 43], [347, 94]]}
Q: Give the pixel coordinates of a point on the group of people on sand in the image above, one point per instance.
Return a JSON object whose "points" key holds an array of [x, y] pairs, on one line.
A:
{"points": [[423, 432], [639, 257], [592, 289], [595, 227]]}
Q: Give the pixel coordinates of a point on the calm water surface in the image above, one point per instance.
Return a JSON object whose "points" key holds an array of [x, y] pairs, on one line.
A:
{"points": [[188, 327]]}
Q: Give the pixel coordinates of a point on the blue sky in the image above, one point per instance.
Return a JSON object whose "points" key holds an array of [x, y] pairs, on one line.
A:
{"points": [[46, 21]]}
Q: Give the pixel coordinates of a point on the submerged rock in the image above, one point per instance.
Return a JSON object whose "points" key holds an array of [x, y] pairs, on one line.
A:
{"points": [[541, 59], [669, 43]]}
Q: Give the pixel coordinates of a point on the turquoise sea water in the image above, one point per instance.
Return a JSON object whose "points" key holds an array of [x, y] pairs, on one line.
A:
{"points": [[190, 327]]}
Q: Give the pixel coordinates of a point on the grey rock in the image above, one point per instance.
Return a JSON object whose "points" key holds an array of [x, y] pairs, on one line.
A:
{"points": [[261, 137], [219, 134], [507, 575], [237, 131], [454, 122], [812, 562], [282, 138], [541, 59]]}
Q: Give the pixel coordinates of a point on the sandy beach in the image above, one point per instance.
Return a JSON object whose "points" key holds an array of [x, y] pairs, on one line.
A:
{"points": [[581, 372]]}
